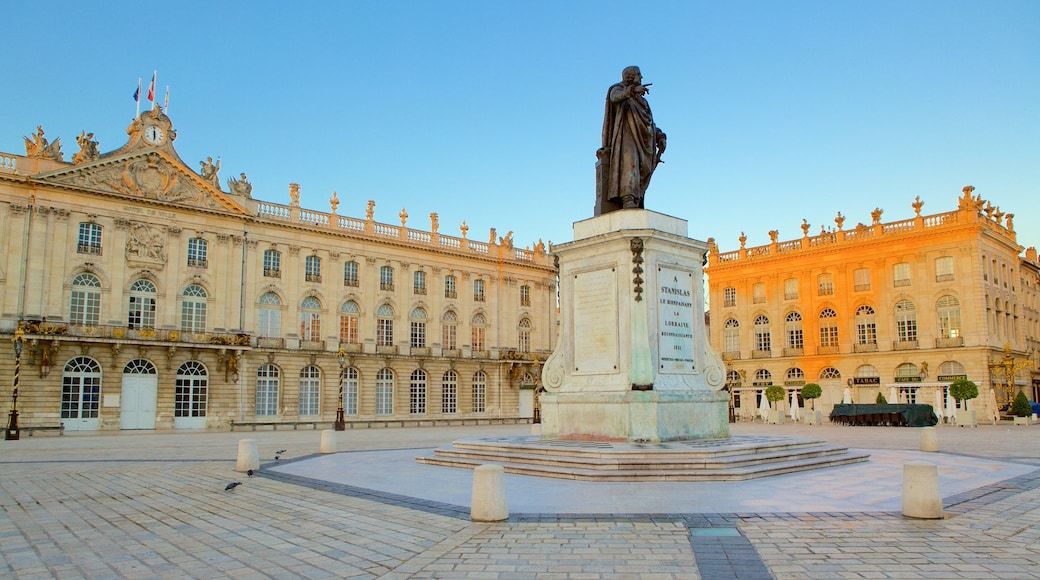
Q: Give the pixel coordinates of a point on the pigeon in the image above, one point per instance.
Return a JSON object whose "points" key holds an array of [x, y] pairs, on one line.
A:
{"points": [[232, 485], [249, 472], [278, 454]]}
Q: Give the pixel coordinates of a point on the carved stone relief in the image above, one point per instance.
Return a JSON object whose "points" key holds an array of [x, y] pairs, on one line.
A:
{"points": [[146, 243]]}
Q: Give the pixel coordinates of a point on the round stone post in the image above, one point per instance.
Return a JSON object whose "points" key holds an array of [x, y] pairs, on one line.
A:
{"points": [[929, 439], [489, 494], [248, 455], [328, 441], [921, 497]]}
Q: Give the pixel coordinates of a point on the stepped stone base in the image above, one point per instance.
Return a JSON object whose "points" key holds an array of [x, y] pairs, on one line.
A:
{"points": [[731, 459]]}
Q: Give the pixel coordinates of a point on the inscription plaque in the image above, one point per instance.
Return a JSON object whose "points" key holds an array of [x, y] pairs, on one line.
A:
{"points": [[675, 320], [596, 322]]}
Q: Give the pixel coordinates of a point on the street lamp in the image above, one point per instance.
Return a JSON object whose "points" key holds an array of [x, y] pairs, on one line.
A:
{"points": [[13, 433], [341, 422]]}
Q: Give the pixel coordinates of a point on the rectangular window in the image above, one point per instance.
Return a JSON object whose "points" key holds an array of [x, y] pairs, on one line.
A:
{"points": [[478, 290], [272, 264], [479, 393], [901, 274], [348, 329], [525, 295], [825, 285], [197, 253], [729, 296], [89, 239], [350, 274], [419, 287], [386, 278], [418, 338], [312, 269], [350, 391], [861, 279], [758, 293], [828, 334], [478, 338], [384, 332], [944, 269], [791, 289], [85, 308], [449, 286]]}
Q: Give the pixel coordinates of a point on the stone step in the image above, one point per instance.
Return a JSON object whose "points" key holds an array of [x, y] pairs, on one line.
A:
{"points": [[703, 449], [700, 474]]}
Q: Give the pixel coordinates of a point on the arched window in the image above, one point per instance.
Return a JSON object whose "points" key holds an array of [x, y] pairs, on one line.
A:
{"points": [[449, 330], [349, 322], [193, 309], [949, 310], [866, 326], [81, 389], [793, 331], [385, 392], [418, 320], [731, 335], [478, 324], [450, 393], [85, 300], [763, 339], [479, 392], [268, 384], [141, 309], [524, 335], [269, 316], [310, 391], [951, 367], [417, 399], [828, 328], [795, 374], [733, 379], [907, 370], [310, 319], [829, 373], [906, 321], [867, 371], [351, 384], [763, 377], [191, 393], [385, 325]]}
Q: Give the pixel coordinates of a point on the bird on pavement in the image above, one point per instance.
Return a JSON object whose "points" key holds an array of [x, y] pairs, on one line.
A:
{"points": [[278, 454], [232, 485], [249, 472]]}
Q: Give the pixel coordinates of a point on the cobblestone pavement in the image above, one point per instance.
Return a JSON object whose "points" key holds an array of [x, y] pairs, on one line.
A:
{"points": [[153, 505]]}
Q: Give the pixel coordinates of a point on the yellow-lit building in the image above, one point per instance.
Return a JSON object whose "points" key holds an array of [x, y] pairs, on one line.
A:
{"points": [[899, 308], [146, 295]]}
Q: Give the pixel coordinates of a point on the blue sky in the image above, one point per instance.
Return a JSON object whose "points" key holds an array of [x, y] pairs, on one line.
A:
{"points": [[491, 112]]}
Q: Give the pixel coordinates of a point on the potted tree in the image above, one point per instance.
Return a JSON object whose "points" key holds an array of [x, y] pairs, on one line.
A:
{"points": [[963, 390], [811, 392], [881, 400], [1021, 409], [774, 394]]}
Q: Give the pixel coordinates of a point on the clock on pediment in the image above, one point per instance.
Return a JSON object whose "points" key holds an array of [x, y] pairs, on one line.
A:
{"points": [[154, 134], [153, 127]]}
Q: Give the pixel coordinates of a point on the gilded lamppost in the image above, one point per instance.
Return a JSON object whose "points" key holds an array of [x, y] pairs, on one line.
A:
{"points": [[13, 433], [341, 421], [1007, 368]]}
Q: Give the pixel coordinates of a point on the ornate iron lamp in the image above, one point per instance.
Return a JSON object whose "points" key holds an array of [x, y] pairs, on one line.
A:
{"points": [[13, 433], [341, 421]]}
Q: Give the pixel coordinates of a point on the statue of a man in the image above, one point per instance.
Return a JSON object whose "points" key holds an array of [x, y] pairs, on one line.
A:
{"points": [[632, 145]]}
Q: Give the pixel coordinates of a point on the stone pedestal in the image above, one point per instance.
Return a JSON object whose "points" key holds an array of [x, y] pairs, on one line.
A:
{"points": [[929, 439], [328, 441], [248, 455], [921, 496], [488, 503], [633, 361]]}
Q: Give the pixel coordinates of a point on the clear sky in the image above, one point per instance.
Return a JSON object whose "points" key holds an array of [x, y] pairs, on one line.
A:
{"points": [[491, 111]]}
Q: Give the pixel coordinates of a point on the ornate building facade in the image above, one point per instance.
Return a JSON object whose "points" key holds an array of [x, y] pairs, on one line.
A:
{"points": [[900, 308], [145, 296]]}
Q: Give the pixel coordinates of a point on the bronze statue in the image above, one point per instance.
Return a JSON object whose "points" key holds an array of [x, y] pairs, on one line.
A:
{"points": [[632, 145]]}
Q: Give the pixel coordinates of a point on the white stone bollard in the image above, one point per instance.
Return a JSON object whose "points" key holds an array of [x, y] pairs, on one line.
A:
{"points": [[921, 497], [929, 439], [489, 494], [328, 441], [248, 455]]}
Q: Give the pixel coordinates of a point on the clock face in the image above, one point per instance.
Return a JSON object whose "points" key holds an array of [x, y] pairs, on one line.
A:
{"points": [[153, 134]]}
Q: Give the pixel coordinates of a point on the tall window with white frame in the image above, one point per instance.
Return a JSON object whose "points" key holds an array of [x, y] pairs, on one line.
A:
{"points": [[479, 392], [763, 338], [198, 250], [193, 309], [450, 393], [524, 335], [949, 310], [351, 383], [386, 278], [349, 322], [861, 279], [901, 274], [731, 337], [478, 290], [791, 289], [419, 282], [312, 268], [866, 326], [793, 331], [350, 274], [141, 307], [385, 392], [269, 316], [758, 293], [85, 300], [417, 395], [310, 319], [449, 286], [828, 328], [825, 285], [268, 385], [89, 241], [525, 295], [385, 325], [906, 321], [191, 391], [449, 330], [729, 297], [310, 391], [477, 325], [272, 264], [944, 269], [418, 327]]}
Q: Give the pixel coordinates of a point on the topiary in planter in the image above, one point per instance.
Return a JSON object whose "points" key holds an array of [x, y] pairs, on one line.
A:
{"points": [[775, 393], [1021, 407], [881, 400], [812, 391], [963, 390]]}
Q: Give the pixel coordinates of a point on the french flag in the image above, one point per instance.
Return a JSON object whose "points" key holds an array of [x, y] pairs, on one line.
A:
{"points": [[151, 89]]}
